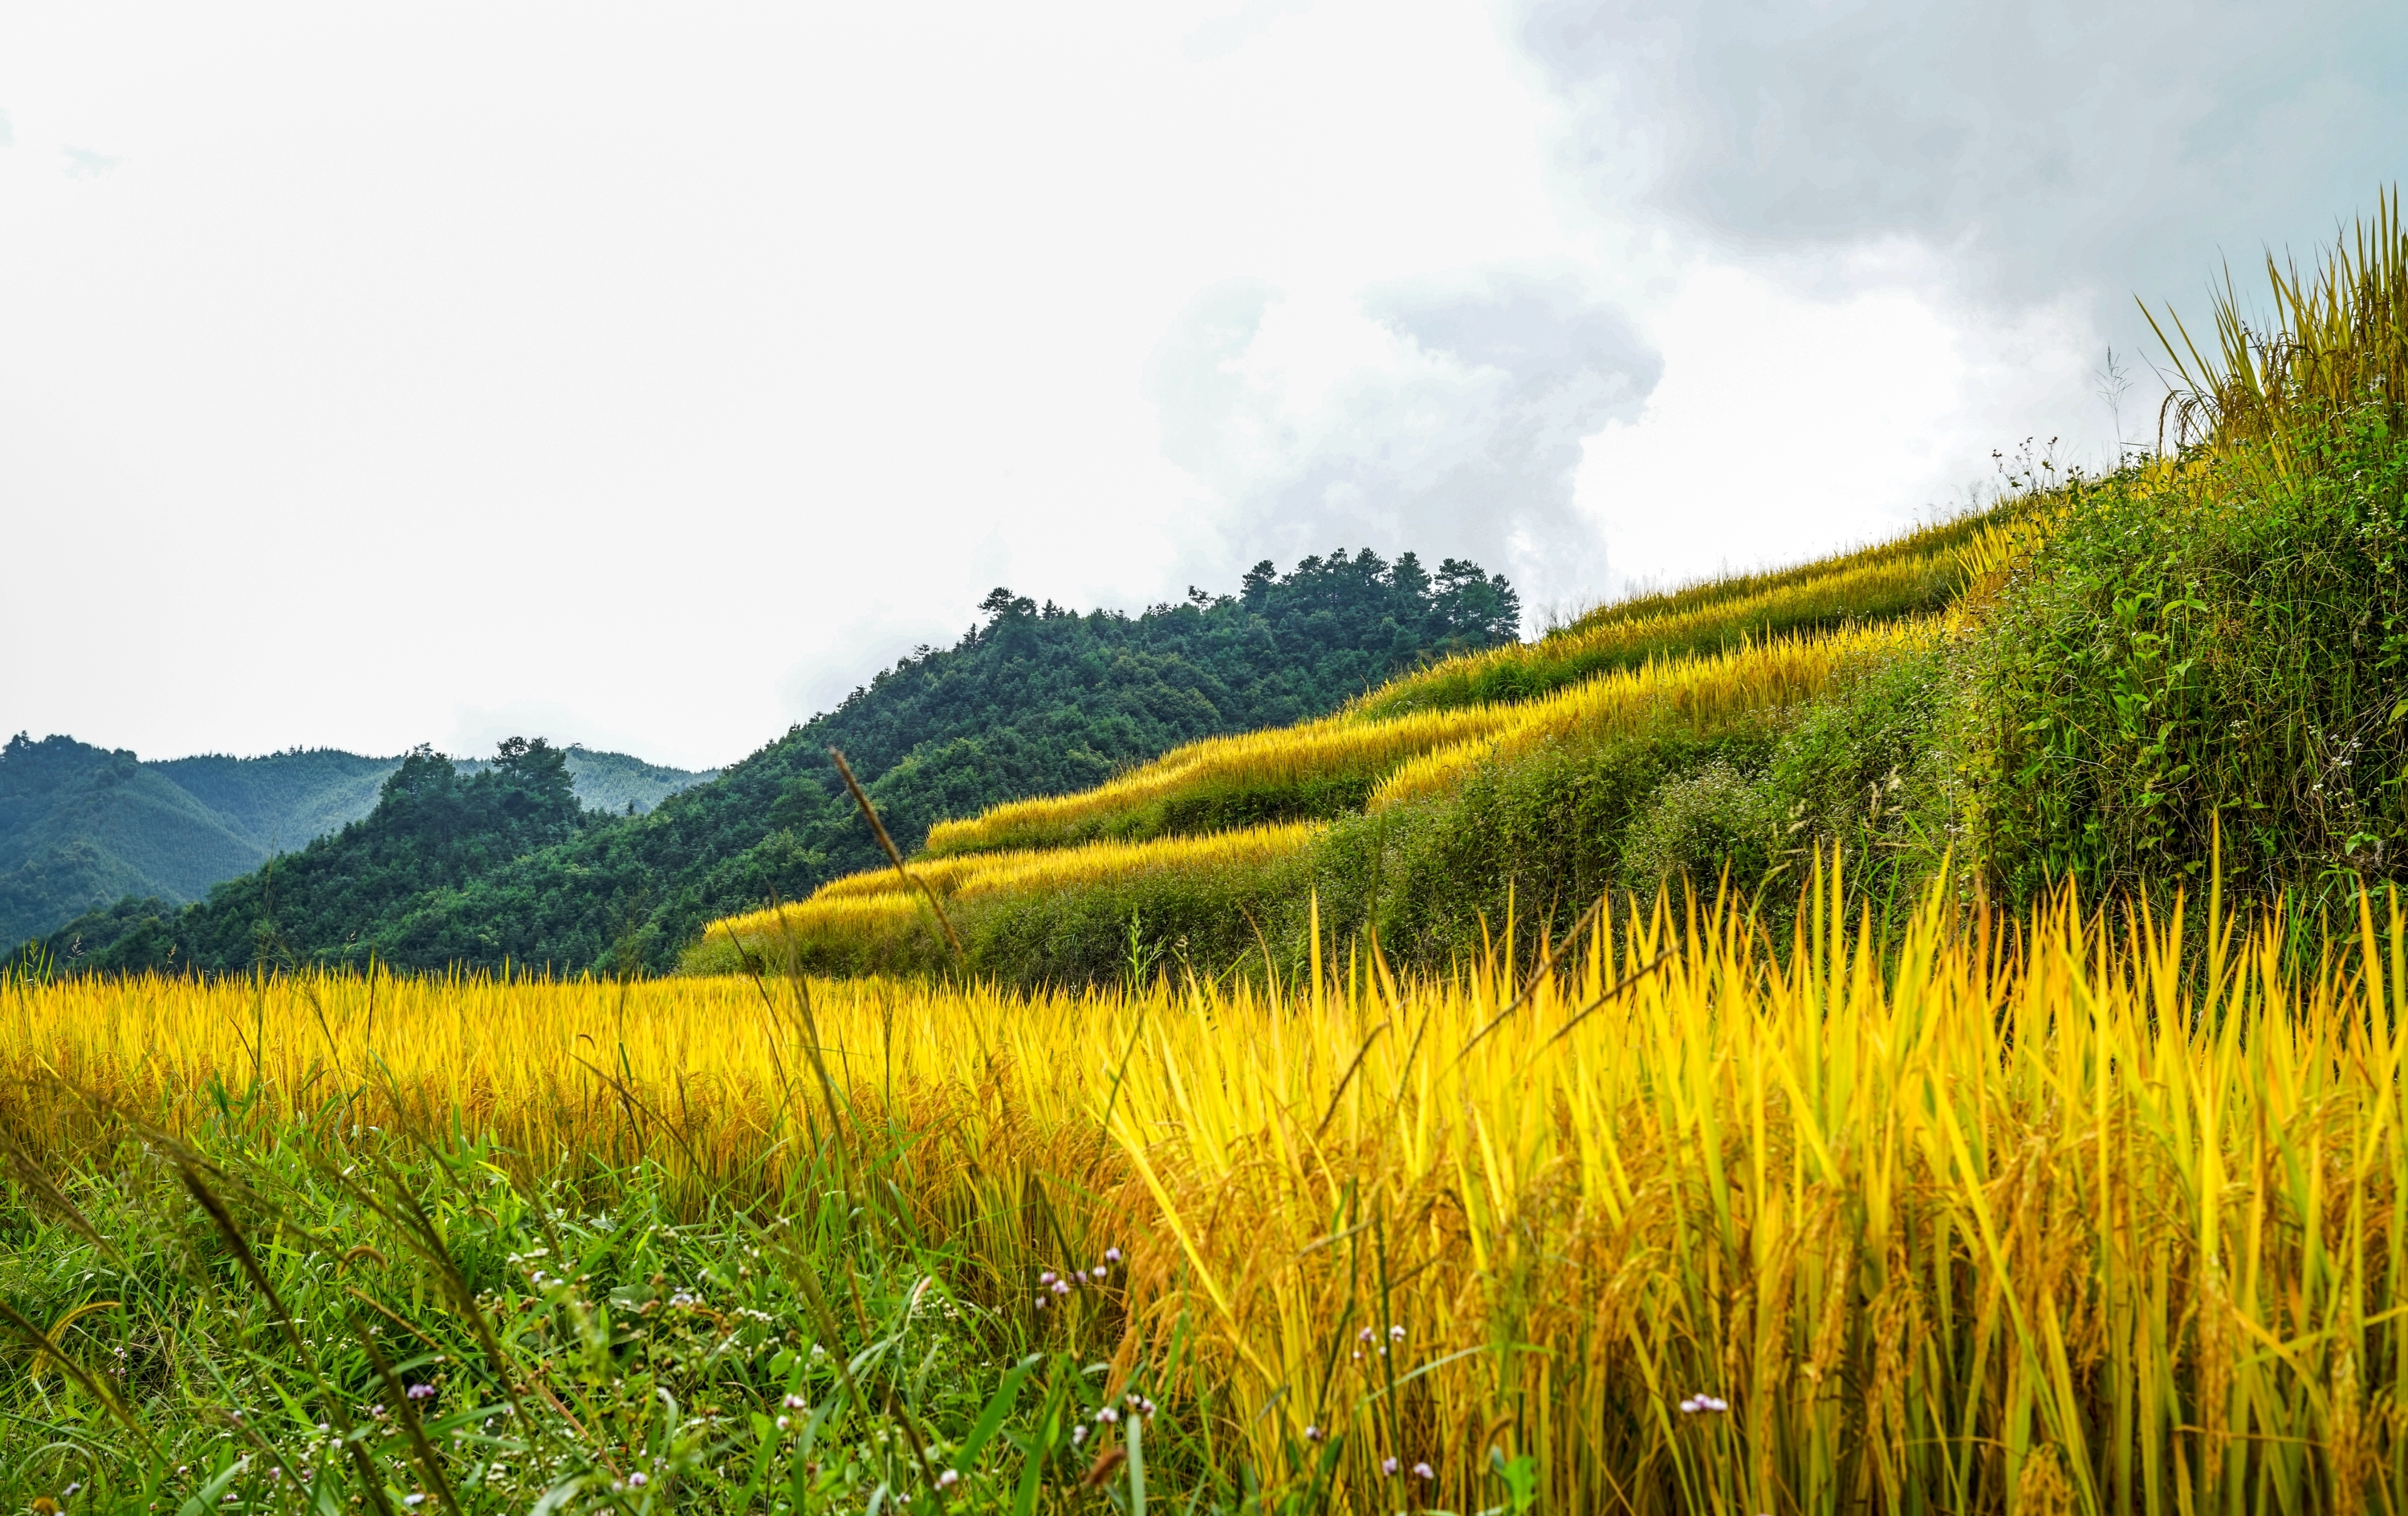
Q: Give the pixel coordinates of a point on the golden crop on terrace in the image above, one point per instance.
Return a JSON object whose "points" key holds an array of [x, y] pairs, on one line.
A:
{"points": [[1885, 589], [1446, 715], [1909, 574], [1333, 747], [1411, 749], [2049, 1218], [1704, 692], [879, 900]]}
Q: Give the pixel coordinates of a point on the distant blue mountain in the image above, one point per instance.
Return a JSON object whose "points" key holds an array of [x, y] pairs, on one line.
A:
{"points": [[83, 827]]}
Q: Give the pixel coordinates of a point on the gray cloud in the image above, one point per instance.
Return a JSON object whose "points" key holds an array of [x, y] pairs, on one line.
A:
{"points": [[2050, 147], [1455, 429]]}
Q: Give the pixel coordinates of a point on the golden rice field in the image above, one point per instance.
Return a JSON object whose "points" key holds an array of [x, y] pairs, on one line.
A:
{"points": [[1332, 748], [2016, 1218], [881, 903], [1936, 544], [1885, 589], [1701, 691], [1909, 574]]}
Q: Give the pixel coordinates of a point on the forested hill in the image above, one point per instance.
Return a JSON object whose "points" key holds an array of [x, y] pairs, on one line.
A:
{"points": [[479, 868], [81, 825]]}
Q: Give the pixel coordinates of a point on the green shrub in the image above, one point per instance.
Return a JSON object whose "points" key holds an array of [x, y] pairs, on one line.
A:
{"points": [[2214, 644], [1718, 821]]}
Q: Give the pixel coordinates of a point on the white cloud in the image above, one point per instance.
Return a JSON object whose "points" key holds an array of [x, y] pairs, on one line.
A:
{"points": [[661, 373], [1444, 415], [1790, 423]]}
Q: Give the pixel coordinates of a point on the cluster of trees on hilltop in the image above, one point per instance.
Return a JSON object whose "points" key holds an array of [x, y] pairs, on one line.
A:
{"points": [[478, 868]]}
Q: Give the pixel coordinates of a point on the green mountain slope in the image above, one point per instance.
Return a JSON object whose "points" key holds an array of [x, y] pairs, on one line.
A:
{"points": [[281, 801], [80, 824], [82, 827]]}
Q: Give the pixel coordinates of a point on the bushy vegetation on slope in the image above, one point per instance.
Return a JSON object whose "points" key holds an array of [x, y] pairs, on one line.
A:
{"points": [[1034, 701], [2207, 647]]}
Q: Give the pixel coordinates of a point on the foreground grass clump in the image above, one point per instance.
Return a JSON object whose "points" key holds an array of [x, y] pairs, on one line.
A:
{"points": [[2002, 1218], [371, 1328]]}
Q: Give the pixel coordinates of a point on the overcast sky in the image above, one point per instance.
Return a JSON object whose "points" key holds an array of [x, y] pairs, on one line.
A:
{"points": [[649, 377]]}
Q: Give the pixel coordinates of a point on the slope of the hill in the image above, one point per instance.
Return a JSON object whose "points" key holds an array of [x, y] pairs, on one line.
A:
{"points": [[82, 827], [2189, 673], [1391, 810], [1035, 700], [80, 824]]}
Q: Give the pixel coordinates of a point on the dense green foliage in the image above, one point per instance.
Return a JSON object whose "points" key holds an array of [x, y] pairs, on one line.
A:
{"points": [[609, 781], [2223, 648], [82, 827], [1034, 700], [79, 825], [283, 800]]}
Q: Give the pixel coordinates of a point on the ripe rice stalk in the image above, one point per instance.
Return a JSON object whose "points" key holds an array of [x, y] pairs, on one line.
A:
{"points": [[2048, 1214]]}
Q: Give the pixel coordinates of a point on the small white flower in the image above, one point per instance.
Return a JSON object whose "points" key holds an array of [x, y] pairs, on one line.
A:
{"points": [[1388, 1467], [947, 1479], [1424, 1473], [637, 1481], [784, 1422], [1112, 1255], [1107, 1415], [1078, 1434], [1312, 1434]]}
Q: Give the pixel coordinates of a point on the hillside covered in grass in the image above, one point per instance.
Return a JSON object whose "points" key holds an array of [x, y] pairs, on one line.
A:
{"points": [[499, 862], [2117, 682]]}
